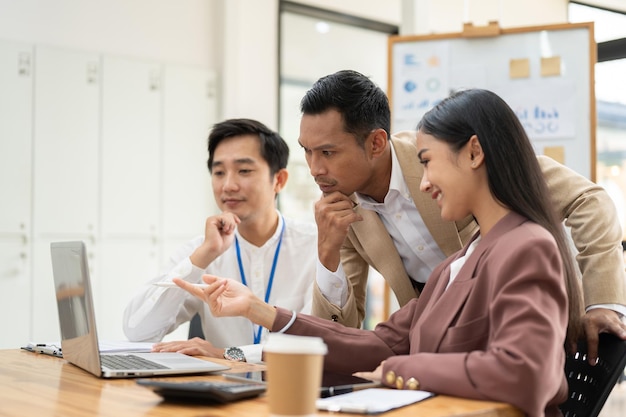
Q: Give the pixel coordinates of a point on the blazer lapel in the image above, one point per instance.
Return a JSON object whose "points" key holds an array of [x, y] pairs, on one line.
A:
{"points": [[444, 304], [445, 233], [377, 246], [383, 256]]}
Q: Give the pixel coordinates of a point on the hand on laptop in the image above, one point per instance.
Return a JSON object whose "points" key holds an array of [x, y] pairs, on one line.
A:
{"points": [[193, 347]]}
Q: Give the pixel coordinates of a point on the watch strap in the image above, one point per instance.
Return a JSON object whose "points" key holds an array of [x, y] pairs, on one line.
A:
{"points": [[234, 354]]}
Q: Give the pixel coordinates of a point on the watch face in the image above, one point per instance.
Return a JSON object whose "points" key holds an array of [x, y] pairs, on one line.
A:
{"points": [[234, 354]]}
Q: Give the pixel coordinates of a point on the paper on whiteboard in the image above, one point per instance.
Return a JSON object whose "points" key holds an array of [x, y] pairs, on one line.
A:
{"points": [[546, 109], [421, 81]]}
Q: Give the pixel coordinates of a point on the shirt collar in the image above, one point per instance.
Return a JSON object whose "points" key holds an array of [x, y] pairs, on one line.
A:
{"points": [[270, 242], [397, 185]]}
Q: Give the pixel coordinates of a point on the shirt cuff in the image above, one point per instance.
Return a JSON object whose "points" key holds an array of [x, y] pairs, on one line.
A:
{"points": [[253, 353], [618, 308], [333, 285]]}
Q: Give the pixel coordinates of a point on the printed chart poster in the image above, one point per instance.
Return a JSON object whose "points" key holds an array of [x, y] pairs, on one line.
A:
{"points": [[546, 109], [420, 74]]}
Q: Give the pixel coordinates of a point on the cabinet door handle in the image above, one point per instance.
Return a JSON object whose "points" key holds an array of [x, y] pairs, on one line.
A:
{"points": [[23, 64], [92, 73]]}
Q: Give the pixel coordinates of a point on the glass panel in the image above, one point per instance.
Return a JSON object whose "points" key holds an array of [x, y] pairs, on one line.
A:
{"points": [[310, 49], [608, 25], [611, 106], [611, 134]]}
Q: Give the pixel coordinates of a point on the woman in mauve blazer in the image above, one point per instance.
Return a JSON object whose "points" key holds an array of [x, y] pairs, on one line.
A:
{"points": [[584, 206], [498, 313]]}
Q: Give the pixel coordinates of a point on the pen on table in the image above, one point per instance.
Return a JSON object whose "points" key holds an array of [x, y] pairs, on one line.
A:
{"points": [[169, 284], [344, 389]]}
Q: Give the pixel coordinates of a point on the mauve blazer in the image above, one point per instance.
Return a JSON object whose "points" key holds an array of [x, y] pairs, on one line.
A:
{"points": [[585, 206], [497, 333]]}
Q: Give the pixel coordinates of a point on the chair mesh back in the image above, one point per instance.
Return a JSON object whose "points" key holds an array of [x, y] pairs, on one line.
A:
{"points": [[589, 386], [195, 327]]}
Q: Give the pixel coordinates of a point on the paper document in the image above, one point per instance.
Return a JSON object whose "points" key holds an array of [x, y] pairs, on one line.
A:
{"points": [[371, 401], [54, 348]]}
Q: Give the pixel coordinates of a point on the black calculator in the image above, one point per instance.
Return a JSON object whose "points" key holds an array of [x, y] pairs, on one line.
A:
{"points": [[204, 391]]}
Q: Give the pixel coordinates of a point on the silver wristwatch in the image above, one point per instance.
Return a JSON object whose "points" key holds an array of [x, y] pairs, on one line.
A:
{"points": [[234, 354]]}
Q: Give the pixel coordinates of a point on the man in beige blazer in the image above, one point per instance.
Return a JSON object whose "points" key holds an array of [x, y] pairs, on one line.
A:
{"points": [[373, 214]]}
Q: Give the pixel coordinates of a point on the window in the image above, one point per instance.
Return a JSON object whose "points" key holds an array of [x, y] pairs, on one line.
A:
{"points": [[314, 43], [610, 35]]}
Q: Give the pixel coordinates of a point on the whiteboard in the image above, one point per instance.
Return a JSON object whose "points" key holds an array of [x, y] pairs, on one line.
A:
{"points": [[545, 73]]}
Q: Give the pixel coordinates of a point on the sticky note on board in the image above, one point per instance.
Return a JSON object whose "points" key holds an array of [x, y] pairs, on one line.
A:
{"points": [[555, 152], [519, 68], [551, 66]]}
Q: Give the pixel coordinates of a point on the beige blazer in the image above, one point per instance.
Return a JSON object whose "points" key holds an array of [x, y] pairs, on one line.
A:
{"points": [[586, 208]]}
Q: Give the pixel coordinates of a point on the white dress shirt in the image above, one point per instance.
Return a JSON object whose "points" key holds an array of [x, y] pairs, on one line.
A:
{"points": [[458, 263], [417, 248], [156, 311]]}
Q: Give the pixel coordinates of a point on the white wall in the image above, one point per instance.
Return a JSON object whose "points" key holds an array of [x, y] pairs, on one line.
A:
{"points": [[250, 70], [441, 16], [180, 31]]}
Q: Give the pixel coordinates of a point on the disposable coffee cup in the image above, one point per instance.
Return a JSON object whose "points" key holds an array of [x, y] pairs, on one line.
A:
{"points": [[294, 374]]}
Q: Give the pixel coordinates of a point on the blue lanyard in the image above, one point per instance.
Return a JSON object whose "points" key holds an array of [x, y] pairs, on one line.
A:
{"points": [[257, 335]]}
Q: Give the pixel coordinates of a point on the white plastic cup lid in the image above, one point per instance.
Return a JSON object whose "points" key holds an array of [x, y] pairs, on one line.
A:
{"points": [[288, 343]]}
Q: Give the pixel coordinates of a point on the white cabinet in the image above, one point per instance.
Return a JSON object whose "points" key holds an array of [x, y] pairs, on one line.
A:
{"points": [[131, 147], [156, 186], [65, 153], [16, 85], [104, 149], [65, 166], [131, 182], [16, 67], [189, 113], [124, 265]]}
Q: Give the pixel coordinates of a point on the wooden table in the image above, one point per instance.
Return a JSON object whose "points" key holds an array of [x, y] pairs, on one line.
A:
{"points": [[33, 384]]}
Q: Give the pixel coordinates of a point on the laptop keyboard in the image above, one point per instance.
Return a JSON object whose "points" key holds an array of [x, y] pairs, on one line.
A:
{"points": [[129, 362]]}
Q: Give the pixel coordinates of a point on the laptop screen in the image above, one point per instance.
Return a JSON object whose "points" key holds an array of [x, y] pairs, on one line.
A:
{"points": [[75, 305], [79, 340]]}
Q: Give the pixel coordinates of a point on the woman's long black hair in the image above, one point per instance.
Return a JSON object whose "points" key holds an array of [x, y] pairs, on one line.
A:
{"points": [[509, 160]]}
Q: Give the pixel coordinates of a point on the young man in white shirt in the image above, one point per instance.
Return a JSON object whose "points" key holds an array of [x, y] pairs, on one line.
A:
{"points": [[249, 241]]}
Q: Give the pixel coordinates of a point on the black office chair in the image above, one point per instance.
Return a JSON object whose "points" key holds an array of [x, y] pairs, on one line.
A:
{"points": [[195, 327], [589, 386]]}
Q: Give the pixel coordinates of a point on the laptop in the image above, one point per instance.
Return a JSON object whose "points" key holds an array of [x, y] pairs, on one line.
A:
{"points": [[79, 341]]}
